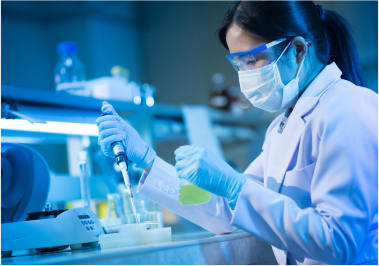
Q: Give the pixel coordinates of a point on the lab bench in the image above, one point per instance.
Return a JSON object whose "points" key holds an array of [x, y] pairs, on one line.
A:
{"points": [[238, 247]]}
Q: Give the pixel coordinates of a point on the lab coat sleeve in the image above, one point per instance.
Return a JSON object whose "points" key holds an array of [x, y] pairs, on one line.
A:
{"points": [[344, 189], [161, 185]]}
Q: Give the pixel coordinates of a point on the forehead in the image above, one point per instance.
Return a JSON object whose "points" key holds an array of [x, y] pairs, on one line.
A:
{"points": [[239, 40]]}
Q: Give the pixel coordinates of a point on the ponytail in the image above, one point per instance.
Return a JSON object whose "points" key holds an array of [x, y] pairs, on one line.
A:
{"points": [[342, 49], [325, 29]]}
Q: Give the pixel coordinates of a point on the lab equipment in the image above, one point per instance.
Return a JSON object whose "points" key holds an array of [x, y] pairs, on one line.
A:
{"points": [[84, 179], [148, 94], [142, 213], [128, 212], [136, 92], [25, 182], [148, 211], [117, 87], [205, 170], [70, 75], [264, 87], [135, 235], [9, 110], [220, 98], [53, 231], [116, 129], [121, 159], [115, 216]]}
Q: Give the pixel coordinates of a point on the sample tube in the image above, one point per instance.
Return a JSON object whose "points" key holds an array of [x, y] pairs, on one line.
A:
{"points": [[84, 179], [190, 194]]}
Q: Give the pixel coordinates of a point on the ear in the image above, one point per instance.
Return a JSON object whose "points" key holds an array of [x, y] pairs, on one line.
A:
{"points": [[301, 47]]}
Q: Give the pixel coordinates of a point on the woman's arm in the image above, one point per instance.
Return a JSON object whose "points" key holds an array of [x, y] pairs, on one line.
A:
{"points": [[161, 185], [215, 216]]}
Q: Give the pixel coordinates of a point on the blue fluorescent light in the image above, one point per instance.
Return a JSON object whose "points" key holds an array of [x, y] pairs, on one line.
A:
{"points": [[50, 127]]}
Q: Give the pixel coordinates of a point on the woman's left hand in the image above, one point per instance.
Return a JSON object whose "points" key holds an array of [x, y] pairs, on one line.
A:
{"points": [[205, 170]]}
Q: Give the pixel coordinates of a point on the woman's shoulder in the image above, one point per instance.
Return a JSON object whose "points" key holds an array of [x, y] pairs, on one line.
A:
{"points": [[346, 94], [346, 102]]}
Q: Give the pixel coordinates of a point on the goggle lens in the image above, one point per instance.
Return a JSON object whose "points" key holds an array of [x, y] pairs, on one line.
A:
{"points": [[244, 62]]}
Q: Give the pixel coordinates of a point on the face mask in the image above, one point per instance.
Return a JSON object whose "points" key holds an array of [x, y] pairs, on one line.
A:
{"points": [[264, 88]]}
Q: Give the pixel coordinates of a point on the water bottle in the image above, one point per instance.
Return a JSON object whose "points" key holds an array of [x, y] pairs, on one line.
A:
{"points": [[70, 74]]}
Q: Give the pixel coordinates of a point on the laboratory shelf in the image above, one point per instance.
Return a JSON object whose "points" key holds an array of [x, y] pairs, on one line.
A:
{"points": [[58, 103]]}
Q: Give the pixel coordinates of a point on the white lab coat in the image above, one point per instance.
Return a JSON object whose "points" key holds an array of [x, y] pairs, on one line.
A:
{"points": [[314, 195]]}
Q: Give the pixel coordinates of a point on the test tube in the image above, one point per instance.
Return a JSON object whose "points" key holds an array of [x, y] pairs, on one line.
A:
{"points": [[84, 179]]}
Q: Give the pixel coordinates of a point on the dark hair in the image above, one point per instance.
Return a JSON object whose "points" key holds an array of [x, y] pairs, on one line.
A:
{"points": [[325, 29]]}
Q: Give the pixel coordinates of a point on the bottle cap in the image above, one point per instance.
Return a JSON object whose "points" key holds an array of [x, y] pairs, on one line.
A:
{"points": [[67, 48]]}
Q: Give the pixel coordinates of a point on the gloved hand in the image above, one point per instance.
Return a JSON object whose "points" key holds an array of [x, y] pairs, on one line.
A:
{"points": [[205, 170], [113, 128]]}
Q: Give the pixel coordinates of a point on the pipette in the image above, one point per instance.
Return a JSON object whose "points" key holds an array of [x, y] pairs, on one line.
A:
{"points": [[122, 162]]}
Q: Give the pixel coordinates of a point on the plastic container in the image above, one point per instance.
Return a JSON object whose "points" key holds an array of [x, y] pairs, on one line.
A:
{"points": [[135, 235], [190, 194], [70, 73]]}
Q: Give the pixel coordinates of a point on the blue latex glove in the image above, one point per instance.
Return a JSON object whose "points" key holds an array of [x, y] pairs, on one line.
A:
{"points": [[205, 170], [113, 128]]}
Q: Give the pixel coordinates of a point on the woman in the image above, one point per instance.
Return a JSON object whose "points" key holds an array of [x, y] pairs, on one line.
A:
{"points": [[313, 191]]}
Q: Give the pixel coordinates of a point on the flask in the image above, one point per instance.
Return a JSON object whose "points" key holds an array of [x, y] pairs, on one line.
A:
{"points": [[190, 194], [114, 217], [70, 73]]}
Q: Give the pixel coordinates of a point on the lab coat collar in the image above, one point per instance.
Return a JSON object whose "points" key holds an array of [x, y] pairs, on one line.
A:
{"points": [[326, 78], [291, 135], [284, 151]]}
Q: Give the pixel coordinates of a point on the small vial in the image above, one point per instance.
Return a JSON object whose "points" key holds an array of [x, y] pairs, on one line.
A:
{"points": [[142, 212], [190, 194]]}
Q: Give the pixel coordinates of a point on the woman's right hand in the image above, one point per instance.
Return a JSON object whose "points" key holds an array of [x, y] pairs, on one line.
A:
{"points": [[113, 128]]}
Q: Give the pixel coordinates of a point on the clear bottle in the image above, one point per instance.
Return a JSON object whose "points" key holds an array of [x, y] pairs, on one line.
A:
{"points": [[70, 73], [190, 194], [220, 98]]}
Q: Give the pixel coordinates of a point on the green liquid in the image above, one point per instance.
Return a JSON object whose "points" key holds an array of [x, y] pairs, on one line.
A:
{"points": [[192, 195]]}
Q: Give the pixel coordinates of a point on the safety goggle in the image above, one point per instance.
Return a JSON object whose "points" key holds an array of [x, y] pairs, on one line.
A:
{"points": [[246, 60]]}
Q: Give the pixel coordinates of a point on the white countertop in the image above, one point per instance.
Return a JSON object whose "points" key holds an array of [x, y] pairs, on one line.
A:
{"points": [[193, 248]]}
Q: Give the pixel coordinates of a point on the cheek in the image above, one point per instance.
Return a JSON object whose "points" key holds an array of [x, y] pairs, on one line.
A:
{"points": [[287, 70]]}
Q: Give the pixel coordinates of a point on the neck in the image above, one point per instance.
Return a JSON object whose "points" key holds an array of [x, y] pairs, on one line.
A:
{"points": [[308, 81]]}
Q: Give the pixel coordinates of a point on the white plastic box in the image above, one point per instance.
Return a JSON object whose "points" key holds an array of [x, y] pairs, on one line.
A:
{"points": [[135, 235]]}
